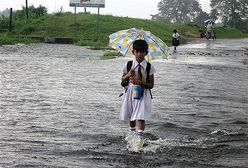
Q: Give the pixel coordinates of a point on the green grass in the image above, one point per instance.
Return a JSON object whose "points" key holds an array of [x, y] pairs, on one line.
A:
{"points": [[109, 55], [85, 32], [8, 39], [227, 32]]}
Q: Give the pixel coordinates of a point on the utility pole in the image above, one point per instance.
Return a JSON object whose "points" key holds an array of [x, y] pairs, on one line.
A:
{"points": [[10, 20], [75, 20], [27, 8], [98, 25]]}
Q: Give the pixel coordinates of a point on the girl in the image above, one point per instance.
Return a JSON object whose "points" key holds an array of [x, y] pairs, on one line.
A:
{"points": [[175, 39], [137, 110]]}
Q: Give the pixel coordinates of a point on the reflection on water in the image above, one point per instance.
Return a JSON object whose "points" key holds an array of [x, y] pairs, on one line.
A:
{"points": [[234, 44], [209, 44], [59, 107]]}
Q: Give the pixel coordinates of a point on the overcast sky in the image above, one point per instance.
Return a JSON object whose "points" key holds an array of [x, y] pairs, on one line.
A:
{"points": [[131, 8]]}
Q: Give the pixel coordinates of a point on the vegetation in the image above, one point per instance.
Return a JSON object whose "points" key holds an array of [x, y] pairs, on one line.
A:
{"points": [[8, 39], [85, 31], [109, 55], [32, 12], [231, 12], [178, 11]]}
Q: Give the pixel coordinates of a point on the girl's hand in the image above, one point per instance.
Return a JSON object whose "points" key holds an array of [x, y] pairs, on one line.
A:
{"points": [[130, 74], [131, 79]]}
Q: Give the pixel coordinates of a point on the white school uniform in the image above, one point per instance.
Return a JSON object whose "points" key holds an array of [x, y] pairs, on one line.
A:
{"points": [[175, 35], [133, 109]]}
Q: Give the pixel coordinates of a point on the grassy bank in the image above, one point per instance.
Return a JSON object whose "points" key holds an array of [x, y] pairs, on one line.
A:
{"points": [[85, 31], [10, 39]]}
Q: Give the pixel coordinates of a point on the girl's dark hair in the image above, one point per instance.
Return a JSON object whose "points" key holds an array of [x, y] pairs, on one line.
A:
{"points": [[140, 46], [174, 30]]}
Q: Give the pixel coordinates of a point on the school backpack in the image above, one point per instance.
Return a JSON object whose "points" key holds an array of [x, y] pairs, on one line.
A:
{"points": [[125, 83]]}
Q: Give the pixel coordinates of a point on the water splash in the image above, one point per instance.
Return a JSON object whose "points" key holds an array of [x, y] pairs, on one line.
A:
{"points": [[134, 144]]}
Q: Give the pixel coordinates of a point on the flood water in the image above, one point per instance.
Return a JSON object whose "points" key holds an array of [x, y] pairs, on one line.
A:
{"points": [[59, 107]]}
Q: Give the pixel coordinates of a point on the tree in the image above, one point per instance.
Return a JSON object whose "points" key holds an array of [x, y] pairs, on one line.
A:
{"points": [[231, 12], [4, 23], [201, 17], [177, 11], [214, 14], [20, 14], [33, 12], [41, 10]]}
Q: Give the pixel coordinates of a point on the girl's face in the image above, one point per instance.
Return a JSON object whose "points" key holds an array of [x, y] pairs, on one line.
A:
{"points": [[139, 55]]}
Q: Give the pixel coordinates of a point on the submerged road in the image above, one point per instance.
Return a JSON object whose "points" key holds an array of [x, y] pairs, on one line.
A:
{"points": [[59, 107]]}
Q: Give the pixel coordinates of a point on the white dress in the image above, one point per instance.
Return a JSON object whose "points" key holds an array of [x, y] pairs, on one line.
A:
{"points": [[133, 109]]}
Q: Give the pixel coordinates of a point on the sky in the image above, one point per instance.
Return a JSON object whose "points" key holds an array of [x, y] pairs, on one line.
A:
{"points": [[126, 8]]}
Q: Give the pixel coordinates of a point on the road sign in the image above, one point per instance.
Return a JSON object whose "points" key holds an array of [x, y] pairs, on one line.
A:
{"points": [[88, 3]]}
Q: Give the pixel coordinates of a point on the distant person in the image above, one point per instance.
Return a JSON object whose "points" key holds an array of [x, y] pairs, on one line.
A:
{"points": [[136, 102], [175, 39], [209, 30], [119, 53]]}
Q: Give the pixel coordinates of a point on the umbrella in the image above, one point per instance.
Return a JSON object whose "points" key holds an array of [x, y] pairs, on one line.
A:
{"points": [[122, 41], [208, 21]]}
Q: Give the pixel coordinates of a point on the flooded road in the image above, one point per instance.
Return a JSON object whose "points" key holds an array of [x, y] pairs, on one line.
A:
{"points": [[59, 107]]}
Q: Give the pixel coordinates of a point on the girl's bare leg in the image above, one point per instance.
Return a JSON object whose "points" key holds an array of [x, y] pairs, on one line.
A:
{"points": [[141, 125], [132, 124]]}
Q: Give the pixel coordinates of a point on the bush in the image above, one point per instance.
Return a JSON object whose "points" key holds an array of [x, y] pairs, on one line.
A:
{"points": [[28, 30], [4, 24], [109, 55], [14, 40]]}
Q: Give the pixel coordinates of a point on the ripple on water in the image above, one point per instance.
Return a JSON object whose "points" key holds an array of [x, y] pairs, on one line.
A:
{"points": [[59, 108]]}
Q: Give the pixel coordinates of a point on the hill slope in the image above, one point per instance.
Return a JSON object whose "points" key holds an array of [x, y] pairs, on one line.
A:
{"points": [[86, 30]]}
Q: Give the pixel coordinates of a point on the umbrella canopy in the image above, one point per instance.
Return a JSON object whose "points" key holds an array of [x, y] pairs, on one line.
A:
{"points": [[209, 21], [122, 41]]}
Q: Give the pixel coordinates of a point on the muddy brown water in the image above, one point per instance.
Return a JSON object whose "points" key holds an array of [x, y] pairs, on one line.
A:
{"points": [[59, 107]]}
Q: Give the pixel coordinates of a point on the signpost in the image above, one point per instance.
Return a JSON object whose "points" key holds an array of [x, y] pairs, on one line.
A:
{"points": [[10, 20], [89, 3]]}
